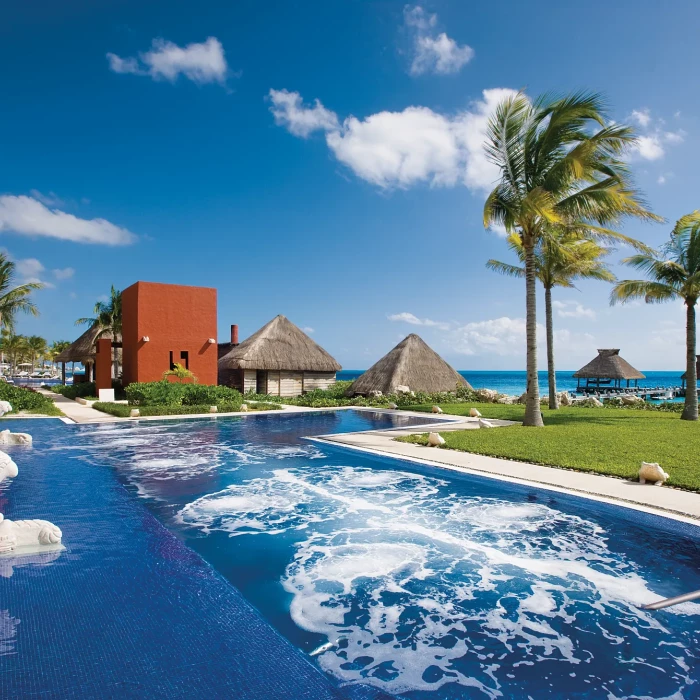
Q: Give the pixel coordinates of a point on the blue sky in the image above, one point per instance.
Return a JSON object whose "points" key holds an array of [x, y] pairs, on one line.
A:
{"points": [[323, 160]]}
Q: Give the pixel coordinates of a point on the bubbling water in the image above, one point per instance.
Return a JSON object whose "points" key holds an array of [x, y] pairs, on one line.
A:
{"points": [[416, 587]]}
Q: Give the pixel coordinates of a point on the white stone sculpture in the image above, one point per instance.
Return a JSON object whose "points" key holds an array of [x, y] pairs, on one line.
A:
{"points": [[375, 393], [8, 438], [474, 413], [134, 413], [651, 471], [401, 389], [487, 395], [213, 409], [29, 535], [393, 406], [437, 409], [485, 424], [5, 407], [632, 400], [435, 440], [244, 407]]}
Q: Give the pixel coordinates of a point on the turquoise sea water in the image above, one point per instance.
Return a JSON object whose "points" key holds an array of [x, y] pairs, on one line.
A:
{"points": [[514, 382]]}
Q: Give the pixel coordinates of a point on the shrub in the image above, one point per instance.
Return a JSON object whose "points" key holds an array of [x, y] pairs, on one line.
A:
{"points": [[85, 389], [25, 399], [165, 393], [180, 372], [123, 411]]}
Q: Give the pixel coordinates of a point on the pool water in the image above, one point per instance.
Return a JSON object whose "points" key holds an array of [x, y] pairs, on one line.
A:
{"points": [[418, 581]]}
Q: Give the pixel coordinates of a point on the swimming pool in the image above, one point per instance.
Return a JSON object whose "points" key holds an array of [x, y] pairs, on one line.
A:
{"points": [[413, 580]]}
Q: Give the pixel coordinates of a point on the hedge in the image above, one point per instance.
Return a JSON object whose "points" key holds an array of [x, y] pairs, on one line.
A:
{"points": [[123, 411], [25, 399]]}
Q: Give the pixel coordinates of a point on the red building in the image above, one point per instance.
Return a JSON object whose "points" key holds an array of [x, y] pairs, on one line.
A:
{"points": [[165, 324]]}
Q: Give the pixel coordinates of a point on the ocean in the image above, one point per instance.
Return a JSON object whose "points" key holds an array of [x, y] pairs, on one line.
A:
{"points": [[514, 383]]}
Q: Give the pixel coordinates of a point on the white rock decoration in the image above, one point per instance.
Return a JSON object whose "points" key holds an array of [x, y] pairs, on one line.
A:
{"points": [[375, 393], [5, 407], [474, 413], [29, 535], [487, 395], [564, 399], [591, 402], [632, 400], [435, 440], [651, 471], [213, 409], [485, 424], [437, 409], [244, 407], [134, 413], [401, 389], [393, 406], [8, 438]]}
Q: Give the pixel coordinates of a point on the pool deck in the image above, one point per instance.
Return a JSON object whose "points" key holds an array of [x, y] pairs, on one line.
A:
{"points": [[664, 500]]}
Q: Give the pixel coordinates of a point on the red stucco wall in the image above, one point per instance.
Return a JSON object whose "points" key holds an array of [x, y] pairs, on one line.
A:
{"points": [[103, 364], [174, 318]]}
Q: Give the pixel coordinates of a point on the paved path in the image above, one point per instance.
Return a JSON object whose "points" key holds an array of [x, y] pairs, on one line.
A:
{"points": [[674, 502], [77, 412]]}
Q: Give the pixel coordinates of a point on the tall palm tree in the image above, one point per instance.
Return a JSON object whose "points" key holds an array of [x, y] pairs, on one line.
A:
{"points": [[14, 297], [37, 348], [15, 347], [674, 275], [561, 257], [560, 163], [108, 318], [57, 347]]}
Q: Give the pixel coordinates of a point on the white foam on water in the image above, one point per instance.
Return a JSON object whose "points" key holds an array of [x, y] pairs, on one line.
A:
{"points": [[8, 632], [410, 582]]}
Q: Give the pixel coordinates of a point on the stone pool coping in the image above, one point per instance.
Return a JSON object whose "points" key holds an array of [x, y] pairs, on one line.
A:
{"points": [[672, 503]]}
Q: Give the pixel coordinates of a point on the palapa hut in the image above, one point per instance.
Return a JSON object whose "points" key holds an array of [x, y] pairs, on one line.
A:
{"points": [[684, 376], [413, 364], [83, 350], [609, 370], [279, 359]]}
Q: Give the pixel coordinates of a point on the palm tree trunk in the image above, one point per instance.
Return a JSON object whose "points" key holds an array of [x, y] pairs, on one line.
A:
{"points": [[690, 410], [551, 374], [533, 415]]}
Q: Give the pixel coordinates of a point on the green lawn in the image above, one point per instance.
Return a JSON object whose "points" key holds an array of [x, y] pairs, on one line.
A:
{"points": [[604, 440]]}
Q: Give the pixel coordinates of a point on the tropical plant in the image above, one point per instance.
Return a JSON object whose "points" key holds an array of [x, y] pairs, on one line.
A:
{"points": [[16, 348], [37, 348], [561, 257], [14, 298], [179, 372], [57, 347], [560, 162], [674, 274], [108, 319]]}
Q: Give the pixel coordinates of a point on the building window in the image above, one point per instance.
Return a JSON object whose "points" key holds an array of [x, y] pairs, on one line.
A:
{"points": [[185, 359], [172, 360]]}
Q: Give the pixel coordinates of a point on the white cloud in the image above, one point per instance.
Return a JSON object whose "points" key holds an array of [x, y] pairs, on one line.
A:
{"points": [[406, 317], [201, 63], [650, 148], [31, 270], [64, 273], [401, 149], [289, 111], [29, 217], [572, 309], [50, 200], [641, 116], [432, 52], [674, 136], [505, 337], [308, 329]]}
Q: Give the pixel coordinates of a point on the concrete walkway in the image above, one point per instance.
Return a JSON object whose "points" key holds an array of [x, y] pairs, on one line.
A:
{"points": [[77, 412], [682, 505]]}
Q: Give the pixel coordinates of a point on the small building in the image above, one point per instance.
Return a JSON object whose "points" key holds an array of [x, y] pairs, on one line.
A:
{"points": [[684, 376], [168, 324], [279, 359], [412, 363], [84, 350], [608, 370]]}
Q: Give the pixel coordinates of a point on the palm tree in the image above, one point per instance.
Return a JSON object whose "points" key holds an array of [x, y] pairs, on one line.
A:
{"points": [[15, 346], [14, 297], [560, 163], [561, 257], [108, 318], [674, 275], [57, 347], [36, 345]]}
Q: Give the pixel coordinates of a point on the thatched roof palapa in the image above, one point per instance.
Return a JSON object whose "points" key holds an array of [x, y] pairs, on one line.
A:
{"points": [[609, 365], [83, 349], [412, 363], [279, 345]]}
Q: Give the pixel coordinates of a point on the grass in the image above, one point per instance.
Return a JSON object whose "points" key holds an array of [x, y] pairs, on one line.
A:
{"points": [[124, 411], [610, 441]]}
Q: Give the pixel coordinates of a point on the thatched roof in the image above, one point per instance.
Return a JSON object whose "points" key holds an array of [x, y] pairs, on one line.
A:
{"points": [[609, 365], [279, 345], [697, 367], [411, 363], [83, 349]]}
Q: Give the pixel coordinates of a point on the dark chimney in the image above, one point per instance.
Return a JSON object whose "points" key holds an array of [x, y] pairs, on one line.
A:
{"points": [[234, 335]]}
